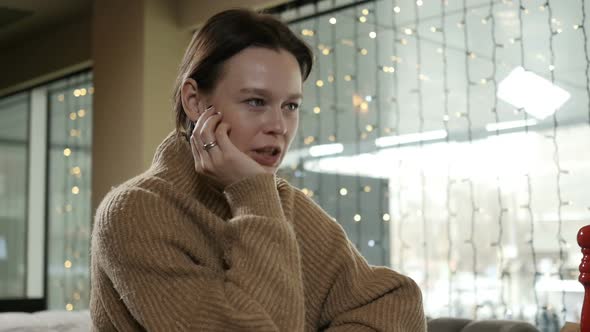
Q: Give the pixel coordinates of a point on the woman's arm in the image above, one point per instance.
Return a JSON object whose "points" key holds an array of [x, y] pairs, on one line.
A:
{"points": [[164, 288], [359, 297]]}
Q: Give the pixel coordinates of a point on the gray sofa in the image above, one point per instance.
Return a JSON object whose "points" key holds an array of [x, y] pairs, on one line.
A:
{"points": [[467, 325], [79, 321], [45, 321]]}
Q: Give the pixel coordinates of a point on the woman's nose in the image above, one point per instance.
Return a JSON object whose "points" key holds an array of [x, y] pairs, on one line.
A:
{"points": [[275, 123]]}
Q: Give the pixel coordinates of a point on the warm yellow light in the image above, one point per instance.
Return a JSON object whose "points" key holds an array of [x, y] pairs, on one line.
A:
{"points": [[91, 90], [347, 77], [82, 92], [67, 152], [386, 217], [369, 128], [388, 69], [364, 106], [68, 264], [362, 19], [76, 93], [81, 113], [364, 51], [319, 83], [356, 100], [367, 189], [73, 116], [326, 51], [307, 32], [403, 41], [365, 11], [308, 140], [75, 190], [330, 78], [332, 138], [76, 170], [317, 110], [69, 307], [343, 192]]}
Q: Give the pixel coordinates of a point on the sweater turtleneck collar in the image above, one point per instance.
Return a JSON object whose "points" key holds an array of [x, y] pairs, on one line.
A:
{"points": [[174, 162]]}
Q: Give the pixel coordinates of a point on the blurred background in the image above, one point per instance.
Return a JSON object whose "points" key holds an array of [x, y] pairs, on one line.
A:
{"points": [[451, 139]]}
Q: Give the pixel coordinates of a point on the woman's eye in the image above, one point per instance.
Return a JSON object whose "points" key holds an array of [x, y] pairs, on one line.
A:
{"points": [[255, 102], [292, 106]]}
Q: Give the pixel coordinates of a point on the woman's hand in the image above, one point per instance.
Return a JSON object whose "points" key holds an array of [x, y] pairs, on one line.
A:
{"points": [[220, 159]]}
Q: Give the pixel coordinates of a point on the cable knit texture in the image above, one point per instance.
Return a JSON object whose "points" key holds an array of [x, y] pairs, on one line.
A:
{"points": [[172, 250]]}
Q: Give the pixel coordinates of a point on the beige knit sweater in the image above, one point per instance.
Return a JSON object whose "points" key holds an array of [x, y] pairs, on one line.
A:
{"points": [[172, 251]]}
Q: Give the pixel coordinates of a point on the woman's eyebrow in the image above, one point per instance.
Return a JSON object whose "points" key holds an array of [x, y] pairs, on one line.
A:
{"points": [[266, 93]]}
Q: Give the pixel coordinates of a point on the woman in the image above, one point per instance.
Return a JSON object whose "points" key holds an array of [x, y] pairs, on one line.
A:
{"points": [[208, 239]]}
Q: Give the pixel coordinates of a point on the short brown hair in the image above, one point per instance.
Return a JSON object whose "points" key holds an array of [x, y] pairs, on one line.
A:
{"points": [[223, 36]]}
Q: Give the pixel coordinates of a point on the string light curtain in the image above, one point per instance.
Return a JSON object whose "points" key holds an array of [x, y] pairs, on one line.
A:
{"points": [[450, 139], [69, 205]]}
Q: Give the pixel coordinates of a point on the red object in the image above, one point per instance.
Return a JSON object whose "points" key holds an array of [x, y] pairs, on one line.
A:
{"points": [[584, 242]]}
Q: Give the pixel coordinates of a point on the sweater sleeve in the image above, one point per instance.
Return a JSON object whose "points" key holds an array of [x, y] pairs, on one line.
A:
{"points": [[360, 297], [166, 289]]}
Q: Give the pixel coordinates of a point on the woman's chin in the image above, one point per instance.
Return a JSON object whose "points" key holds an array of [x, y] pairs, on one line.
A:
{"points": [[270, 169]]}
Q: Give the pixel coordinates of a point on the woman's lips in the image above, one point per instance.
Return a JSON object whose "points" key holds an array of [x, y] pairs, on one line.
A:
{"points": [[266, 159]]}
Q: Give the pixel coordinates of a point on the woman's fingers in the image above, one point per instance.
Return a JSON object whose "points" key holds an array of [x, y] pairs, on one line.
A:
{"points": [[204, 134], [196, 155], [222, 137], [207, 133]]}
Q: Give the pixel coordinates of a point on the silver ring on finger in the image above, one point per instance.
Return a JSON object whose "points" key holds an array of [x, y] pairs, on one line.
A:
{"points": [[209, 146]]}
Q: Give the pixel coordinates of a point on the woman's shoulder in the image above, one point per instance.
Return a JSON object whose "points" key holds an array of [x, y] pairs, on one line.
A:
{"points": [[137, 198]]}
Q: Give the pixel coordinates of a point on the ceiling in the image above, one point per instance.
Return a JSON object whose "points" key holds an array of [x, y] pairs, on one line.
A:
{"points": [[22, 18]]}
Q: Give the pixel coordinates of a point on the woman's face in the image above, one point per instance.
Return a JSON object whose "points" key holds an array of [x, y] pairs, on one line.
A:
{"points": [[258, 94]]}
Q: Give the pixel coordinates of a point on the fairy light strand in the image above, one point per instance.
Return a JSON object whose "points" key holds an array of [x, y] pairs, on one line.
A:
{"points": [[335, 110], [528, 206], [587, 56], [451, 274], [318, 122], [420, 102], [467, 116], [379, 110], [357, 191], [501, 208], [559, 170], [403, 245]]}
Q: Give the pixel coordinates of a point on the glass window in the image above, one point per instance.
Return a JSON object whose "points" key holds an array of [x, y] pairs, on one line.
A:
{"points": [[14, 148], [450, 139], [69, 176]]}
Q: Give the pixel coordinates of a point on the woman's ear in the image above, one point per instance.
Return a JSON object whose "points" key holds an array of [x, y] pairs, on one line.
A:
{"points": [[190, 97]]}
